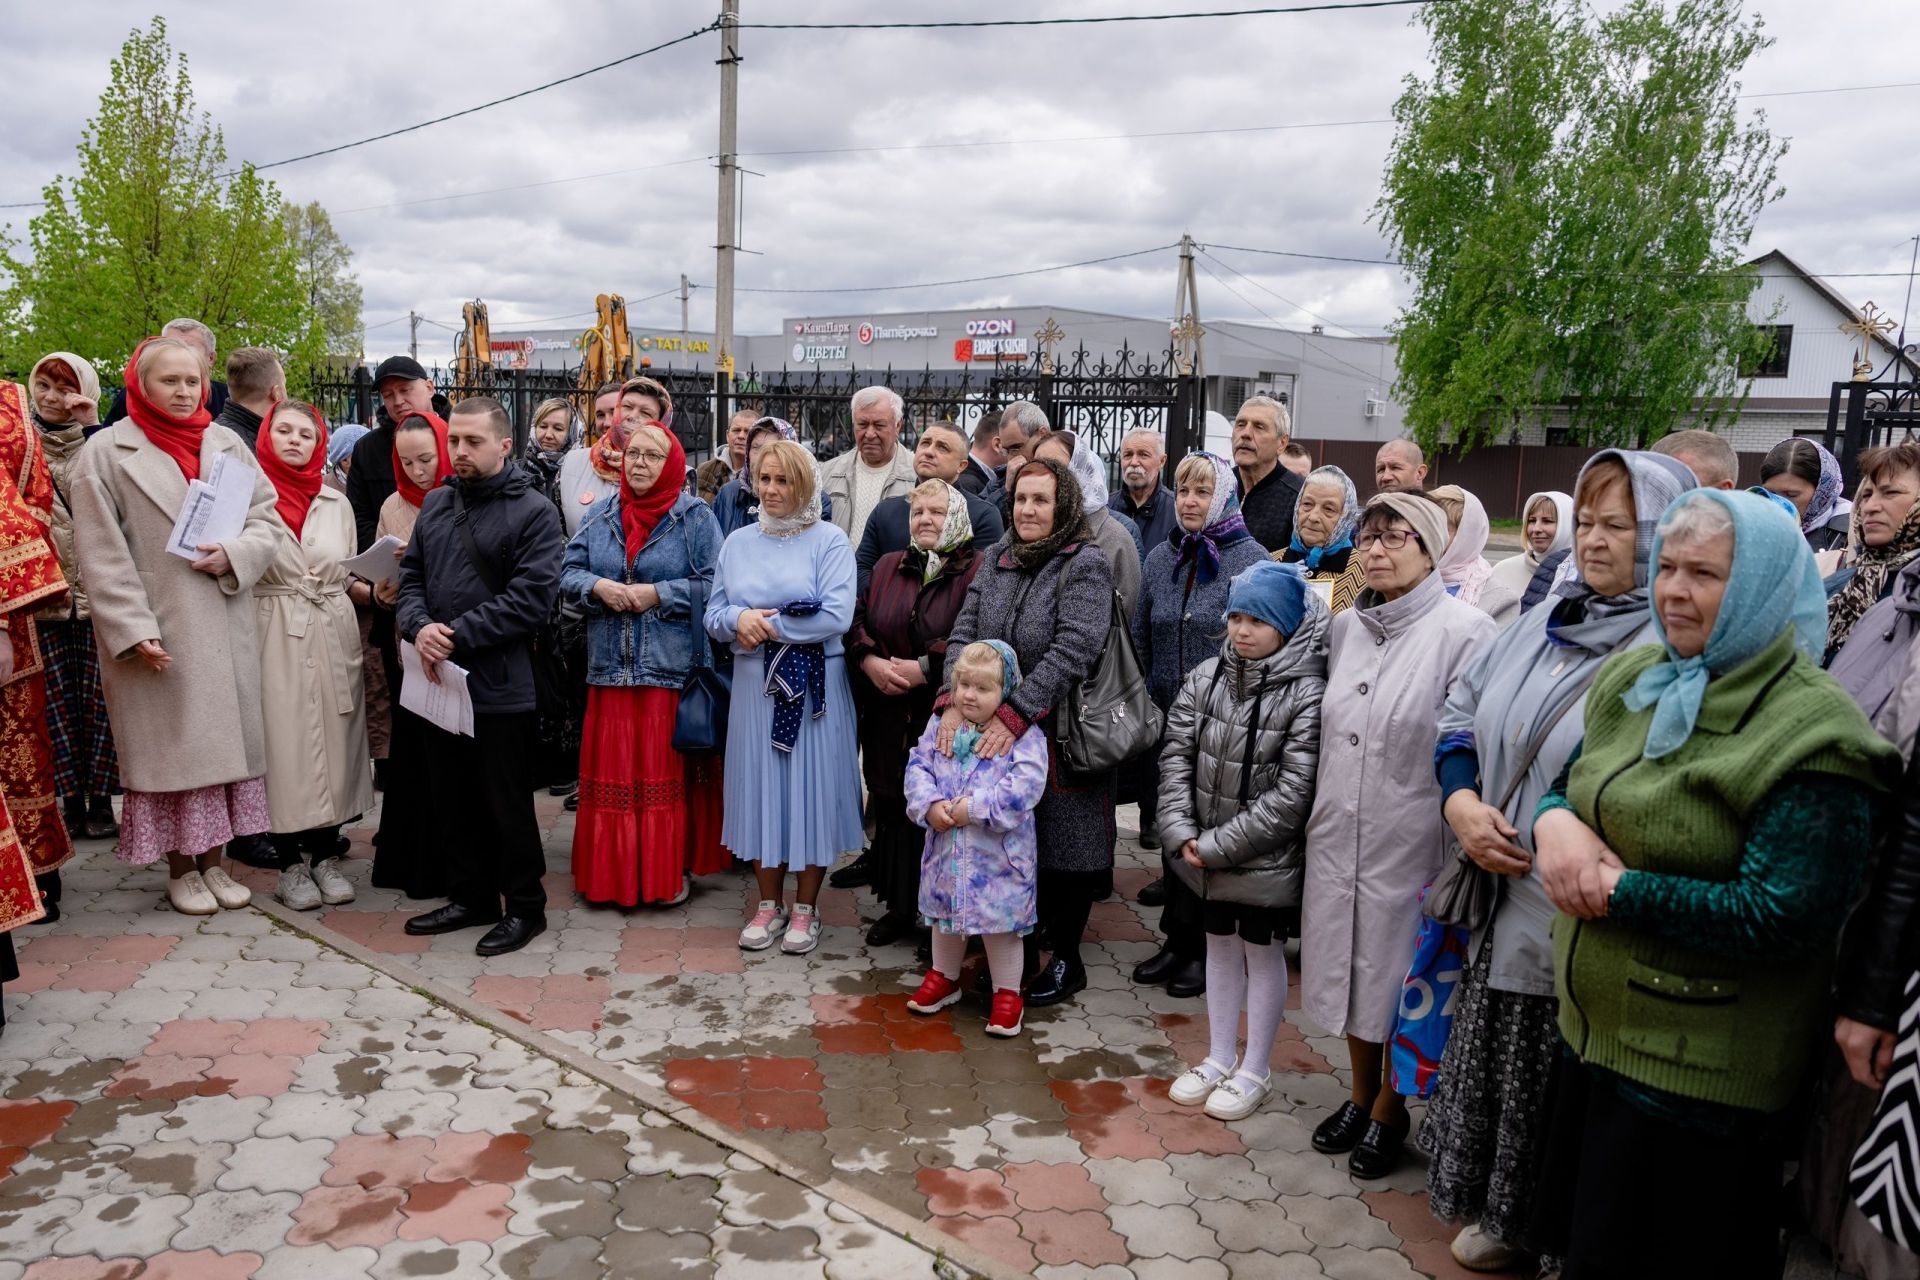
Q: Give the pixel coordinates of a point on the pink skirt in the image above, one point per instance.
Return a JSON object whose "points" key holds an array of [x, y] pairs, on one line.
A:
{"points": [[156, 823]]}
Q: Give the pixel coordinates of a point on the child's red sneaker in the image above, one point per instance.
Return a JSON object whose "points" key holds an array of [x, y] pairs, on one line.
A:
{"points": [[1005, 1019], [935, 993]]}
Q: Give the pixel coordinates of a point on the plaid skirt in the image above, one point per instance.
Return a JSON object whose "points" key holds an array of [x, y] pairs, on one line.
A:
{"points": [[84, 762]]}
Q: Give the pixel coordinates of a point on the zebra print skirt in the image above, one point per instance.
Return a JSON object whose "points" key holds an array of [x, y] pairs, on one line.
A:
{"points": [[1885, 1178]]}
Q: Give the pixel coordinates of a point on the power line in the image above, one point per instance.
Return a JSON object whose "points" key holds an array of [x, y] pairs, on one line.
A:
{"points": [[1391, 262], [1005, 275], [523, 186], [1331, 6], [1844, 88], [1271, 293], [1305, 340]]}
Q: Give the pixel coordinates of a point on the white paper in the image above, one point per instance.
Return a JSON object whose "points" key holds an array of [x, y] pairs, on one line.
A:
{"points": [[215, 509], [377, 564], [1324, 589], [447, 705]]}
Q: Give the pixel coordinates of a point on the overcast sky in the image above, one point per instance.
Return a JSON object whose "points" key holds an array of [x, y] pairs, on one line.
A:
{"points": [[282, 80]]}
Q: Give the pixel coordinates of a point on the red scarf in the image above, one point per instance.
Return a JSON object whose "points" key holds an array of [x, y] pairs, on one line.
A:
{"points": [[295, 485], [178, 438], [640, 512], [443, 468], [607, 456]]}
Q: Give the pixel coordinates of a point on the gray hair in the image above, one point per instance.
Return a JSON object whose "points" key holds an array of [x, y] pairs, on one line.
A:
{"points": [[1030, 416], [1283, 420], [1695, 517], [1159, 441], [867, 395], [187, 324], [1411, 448]]}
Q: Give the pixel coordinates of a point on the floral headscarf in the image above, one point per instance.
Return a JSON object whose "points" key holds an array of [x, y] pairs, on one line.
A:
{"points": [[787, 526], [607, 454], [1342, 539], [1224, 524], [967, 738], [780, 427], [957, 532]]}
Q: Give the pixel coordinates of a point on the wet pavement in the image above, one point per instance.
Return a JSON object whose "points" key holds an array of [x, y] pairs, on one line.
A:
{"points": [[633, 1095]]}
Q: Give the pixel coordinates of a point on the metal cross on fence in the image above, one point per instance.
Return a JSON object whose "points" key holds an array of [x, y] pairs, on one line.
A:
{"points": [[1186, 335], [1866, 326], [1049, 336]]}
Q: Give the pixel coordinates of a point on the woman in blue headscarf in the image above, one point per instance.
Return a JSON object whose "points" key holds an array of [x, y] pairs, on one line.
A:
{"points": [[1324, 518], [1179, 624], [1702, 846]]}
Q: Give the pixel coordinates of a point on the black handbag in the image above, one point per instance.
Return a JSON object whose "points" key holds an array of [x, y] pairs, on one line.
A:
{"points": [[700, 725], [549, 676], [1108, 718], [1465, 893]]}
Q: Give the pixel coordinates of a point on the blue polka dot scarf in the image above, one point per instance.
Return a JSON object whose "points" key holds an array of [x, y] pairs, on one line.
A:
{"points": [[795, 674]]}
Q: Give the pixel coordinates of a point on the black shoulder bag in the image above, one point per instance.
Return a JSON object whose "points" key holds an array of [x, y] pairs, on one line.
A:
{"points": [[549, 683]]}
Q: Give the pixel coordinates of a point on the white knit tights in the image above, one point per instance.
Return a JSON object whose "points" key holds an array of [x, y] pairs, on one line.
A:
{"points": [[1005, 957], [1243, 971]]}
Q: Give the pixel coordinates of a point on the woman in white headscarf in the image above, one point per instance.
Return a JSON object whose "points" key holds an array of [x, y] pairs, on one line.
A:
{"points": [[1120, 539], [1546, 529], [1468, 575]]}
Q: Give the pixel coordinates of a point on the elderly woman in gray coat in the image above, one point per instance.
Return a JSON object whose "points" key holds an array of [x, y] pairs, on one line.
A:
{"points": [[1236, 783], [1046, 591], [1486, 1119], [1375, 836]]}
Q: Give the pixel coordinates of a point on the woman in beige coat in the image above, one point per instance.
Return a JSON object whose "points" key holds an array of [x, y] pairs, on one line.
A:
{"points": [[318, 773], [1376, 834], [178, 655]]}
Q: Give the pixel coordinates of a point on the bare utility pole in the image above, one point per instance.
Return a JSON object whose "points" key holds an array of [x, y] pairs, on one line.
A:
{"points": [[413, 329], [1189, 431], [724, 242], [683, 317]]}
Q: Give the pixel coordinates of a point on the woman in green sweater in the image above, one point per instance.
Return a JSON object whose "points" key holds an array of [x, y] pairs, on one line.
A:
{"points": [[1702, 847]]}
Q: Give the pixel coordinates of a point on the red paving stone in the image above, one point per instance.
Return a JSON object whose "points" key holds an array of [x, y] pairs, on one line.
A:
{"points": [[999, 1237], [202, 1264], [980, 1193], [455, 1211], [163, 1075], [480, 1157], [1053, 1186], [28, 1124], [380, 1160], [1193, 1132], [1086, 1237], [1116, 1137], [1424, 1240], [344, 1216], [781, 1109], [83, 1269], [381, 931]]}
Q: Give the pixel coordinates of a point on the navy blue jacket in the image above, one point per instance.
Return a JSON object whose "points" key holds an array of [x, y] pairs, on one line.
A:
{"points": [[1155, 519]]}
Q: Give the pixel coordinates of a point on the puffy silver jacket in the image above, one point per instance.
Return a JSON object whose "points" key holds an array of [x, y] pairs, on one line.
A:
{"points": [[1252, 838]]}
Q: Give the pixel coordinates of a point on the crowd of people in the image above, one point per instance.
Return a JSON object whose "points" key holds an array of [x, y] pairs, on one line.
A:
{"points": [[1644, 793]]}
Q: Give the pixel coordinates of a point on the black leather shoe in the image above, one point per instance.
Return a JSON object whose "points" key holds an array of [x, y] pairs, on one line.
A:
{"points": [[1150, 834], [564, 788], [889, 929], [855, 875], [1341, 1131], [572, 803], [1156, 968], [1379, 1151], [100, 823], [511, 934], [1057, 982], [1190, 979], [449, 918], [258, 851], [1154, 894]]}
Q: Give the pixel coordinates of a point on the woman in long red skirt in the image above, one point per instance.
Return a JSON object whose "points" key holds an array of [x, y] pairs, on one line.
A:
{"points": [[640, 567]]}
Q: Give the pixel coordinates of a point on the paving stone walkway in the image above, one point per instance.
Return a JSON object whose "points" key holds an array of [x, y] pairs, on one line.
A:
{"points": [[1056, 1154]]}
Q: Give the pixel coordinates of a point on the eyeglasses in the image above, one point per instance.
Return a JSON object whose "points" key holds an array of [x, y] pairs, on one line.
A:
{"points": [[1391, 539], [652, 457]]}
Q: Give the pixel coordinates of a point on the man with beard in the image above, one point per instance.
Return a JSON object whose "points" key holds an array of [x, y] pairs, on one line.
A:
{"points": [[1143, 498]]}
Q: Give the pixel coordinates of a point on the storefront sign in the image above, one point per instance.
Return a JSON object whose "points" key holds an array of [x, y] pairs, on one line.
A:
{"points": [[652, 342], [989, 328], [969, 350], [868, 332], [822, 328], [809, 352]]}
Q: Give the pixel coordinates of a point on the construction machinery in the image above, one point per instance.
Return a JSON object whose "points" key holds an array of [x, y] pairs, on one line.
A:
{"points": [[474, 349], [606, 350]]}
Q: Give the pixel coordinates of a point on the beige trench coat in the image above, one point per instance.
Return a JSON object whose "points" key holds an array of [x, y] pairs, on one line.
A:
{"points": [[311, 674], [196, 724], [1376, 834]]}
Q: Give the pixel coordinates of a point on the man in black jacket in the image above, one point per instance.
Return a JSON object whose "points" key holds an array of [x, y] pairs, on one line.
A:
{"points": [[1268, 491], [255, 382], [940, 455], [479, 578], [404, 388]]}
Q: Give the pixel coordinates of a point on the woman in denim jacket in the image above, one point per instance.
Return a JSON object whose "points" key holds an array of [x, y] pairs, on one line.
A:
{"points": [[640, 568]]}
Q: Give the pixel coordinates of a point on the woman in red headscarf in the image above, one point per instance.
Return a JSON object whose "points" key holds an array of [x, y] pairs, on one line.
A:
{"points": [[310, 668], [178, 638], [421, 464], [640, 567]]}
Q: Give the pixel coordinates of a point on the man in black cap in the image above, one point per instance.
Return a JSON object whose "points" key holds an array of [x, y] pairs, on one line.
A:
{"points": [[404, 388]]}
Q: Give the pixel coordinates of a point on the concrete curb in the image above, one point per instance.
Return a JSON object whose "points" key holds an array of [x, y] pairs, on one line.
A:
{"points": [[882, 1215]]}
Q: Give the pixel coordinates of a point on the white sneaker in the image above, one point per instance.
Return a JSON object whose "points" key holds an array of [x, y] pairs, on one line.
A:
{"points": [[767, 921], [803, 931], [1238, 1097], [335, 888], [297, 889], [1196, 1084], [190, 896], [1475, 1250], [226, 891]]}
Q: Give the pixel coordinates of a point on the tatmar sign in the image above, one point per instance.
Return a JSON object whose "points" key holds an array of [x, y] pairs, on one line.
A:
{"points": [[654, 342], [969, 350], [868, 332]]}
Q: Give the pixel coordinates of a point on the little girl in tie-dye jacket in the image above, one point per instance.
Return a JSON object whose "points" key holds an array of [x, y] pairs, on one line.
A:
{"points": [[978, 872]]}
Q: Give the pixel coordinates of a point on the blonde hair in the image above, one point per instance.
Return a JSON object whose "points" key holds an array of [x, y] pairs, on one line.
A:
{"points": [[1452, 499], [150, 351], [982, 657], [653, 429], [550, 405], [1194, 467], [798, 465]]}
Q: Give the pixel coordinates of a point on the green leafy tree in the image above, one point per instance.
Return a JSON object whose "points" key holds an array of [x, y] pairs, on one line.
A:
{"points": [[333, 295], [1573, 196], [154, 226]]}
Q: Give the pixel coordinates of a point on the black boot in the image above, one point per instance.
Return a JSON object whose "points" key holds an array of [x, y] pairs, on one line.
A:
{"points": [[855, 875], [1058, 981], [449, 918], [99, 824], [1154, 893], [511, 934], [1190, 979], [889, 929], [1157, 968]]}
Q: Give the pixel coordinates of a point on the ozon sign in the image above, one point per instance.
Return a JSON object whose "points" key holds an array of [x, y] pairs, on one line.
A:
{"points": [[988, 328]]}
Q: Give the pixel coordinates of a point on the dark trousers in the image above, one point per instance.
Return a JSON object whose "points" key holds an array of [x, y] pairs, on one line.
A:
{"points": [[1628, 1195], [489, 840], [1064, 900], [1181, 920], [316, 845]]}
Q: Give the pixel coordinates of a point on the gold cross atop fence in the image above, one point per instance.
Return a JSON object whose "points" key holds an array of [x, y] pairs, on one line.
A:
{"points": [[1866, 326], [1050, 334], [1185, 335]]}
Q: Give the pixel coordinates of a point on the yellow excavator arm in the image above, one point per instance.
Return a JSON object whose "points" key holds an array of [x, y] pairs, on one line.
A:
{"points": [[474, 359]]}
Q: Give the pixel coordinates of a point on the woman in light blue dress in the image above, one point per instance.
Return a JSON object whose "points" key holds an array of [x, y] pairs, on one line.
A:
{"points": [[783, 597]]}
